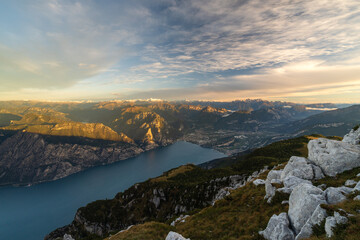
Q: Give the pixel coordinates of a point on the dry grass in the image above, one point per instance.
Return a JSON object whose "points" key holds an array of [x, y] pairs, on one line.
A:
{"points": [[239, 216], [173, 173], [149, 230]]}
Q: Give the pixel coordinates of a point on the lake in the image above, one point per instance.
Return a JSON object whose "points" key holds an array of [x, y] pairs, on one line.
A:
{"points": [[29, 213]]}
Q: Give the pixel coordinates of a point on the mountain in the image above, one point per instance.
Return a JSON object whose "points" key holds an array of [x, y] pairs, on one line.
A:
{"points": [[145, 125], [48, 125], [336, 122], [28, 158], [291, 189], [256, 104]]}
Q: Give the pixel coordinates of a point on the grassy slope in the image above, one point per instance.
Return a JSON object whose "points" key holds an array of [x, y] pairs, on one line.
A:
{"points": [[240, 215], [243, 213], [351, 230]]}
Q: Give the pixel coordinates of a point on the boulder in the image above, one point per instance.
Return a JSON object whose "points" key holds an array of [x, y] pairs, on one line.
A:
{"points": [[181, 219], [303, 201], [269, 188], [291, 182], [357, 187], [68, 237], [350, 183], [358, 175], [357, 198], [301, 167], [332, 156], [284, 190], [278, 228], [336, 195], [175, 236], [258, 182], [306, 231], [331, 222], [353, 137]]}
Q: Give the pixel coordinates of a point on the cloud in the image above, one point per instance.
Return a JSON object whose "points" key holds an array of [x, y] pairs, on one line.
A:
{"points": [[301, 82], [182, 49], [60, 44], [213, 36]]}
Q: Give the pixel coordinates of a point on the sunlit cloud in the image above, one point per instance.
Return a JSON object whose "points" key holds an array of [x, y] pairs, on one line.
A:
{"points": [[198, 49]]}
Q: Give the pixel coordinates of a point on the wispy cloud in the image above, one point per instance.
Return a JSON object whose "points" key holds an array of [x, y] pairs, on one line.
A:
{"points": [[183, 49]]}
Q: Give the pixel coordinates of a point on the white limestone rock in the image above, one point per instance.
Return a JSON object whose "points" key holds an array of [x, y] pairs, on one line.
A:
{"points": [[278, 228], [175, 236], [358, 175], [353, 137], [357, 187], [332, 156], [301, 167], [284, 190], [269, 188], [357, 198], [331, 223], [291, 182], [182, 219], [318, 215], [350, 183], [258, 182], [336, 195], [68, 237], [303, 201]]}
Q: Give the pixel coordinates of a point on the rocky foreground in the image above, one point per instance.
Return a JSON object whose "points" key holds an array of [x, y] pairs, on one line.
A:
{"points": [[306, 202]]}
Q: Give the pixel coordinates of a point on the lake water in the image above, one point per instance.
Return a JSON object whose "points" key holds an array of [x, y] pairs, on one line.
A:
{"points": [[32, 212]]}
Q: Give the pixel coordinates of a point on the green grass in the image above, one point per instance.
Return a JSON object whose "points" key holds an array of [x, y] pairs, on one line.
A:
{"points": [[340, 179], [245, 212], [149, 230]]}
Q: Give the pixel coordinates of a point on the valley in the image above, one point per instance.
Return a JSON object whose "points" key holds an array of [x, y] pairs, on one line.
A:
{"points": [[45, 141]]}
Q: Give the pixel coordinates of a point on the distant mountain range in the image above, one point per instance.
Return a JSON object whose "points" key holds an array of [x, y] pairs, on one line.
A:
{"points": [[137, 126]]}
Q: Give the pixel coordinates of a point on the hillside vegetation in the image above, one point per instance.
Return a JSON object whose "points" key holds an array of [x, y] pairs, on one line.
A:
{"points": [[188, 189]]}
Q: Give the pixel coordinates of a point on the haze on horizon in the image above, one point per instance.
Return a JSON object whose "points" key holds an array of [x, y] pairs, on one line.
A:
{"points": [[299, 51]]}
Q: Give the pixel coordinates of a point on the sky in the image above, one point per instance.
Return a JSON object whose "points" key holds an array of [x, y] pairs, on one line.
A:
{"points": [[288, 50]]}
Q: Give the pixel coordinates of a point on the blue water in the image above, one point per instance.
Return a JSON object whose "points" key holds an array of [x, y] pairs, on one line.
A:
{"points": [[32, 212]]}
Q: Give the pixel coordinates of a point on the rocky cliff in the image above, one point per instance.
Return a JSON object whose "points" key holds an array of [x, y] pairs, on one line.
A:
{"points": [[28, 158]]}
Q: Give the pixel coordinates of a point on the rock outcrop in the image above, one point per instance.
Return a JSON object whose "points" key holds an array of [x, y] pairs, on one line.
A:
{"points": [[175, 236], [353, 137], [303, 201], [325, 156], [272, 177], [316, 218], [336, 195], [331, 223], [278, 228], [68, 237], [332, 156], [302, 168]]}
